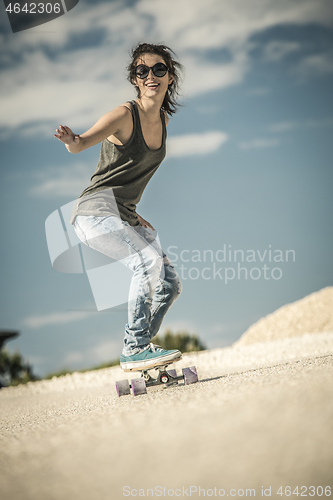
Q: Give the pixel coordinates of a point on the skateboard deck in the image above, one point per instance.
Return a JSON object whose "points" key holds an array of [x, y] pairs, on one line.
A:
{"points": [[165, 377]]}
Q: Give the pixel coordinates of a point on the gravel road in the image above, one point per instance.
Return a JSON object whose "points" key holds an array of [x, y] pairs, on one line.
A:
{"points": [[260, 418]]}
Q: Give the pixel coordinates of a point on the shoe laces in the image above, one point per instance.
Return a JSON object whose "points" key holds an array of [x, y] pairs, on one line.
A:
{"points": [[153, 347]]}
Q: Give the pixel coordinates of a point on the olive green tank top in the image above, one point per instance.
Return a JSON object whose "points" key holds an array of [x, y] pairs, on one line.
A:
{"points": [[121, 175]]}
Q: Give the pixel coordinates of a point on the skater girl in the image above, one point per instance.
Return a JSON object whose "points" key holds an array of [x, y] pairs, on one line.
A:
{"points": [[133, 138]]}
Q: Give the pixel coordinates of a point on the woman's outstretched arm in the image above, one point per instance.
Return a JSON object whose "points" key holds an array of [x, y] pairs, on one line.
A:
{"points": [[109, 124]]}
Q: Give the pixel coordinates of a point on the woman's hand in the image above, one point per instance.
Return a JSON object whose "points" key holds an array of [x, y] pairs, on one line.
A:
{"points": [[66, 136], [144, 223]]}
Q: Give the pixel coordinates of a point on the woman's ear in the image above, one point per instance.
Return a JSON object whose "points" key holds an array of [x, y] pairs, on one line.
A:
{"points": [[170, 80]]}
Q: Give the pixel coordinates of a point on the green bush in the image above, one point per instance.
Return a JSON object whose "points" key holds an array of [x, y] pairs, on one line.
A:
{"points": [[14, 370], [182, 341]]}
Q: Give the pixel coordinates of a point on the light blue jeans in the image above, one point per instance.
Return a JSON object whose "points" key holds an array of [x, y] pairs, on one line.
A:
{"points": [[155, 284]]}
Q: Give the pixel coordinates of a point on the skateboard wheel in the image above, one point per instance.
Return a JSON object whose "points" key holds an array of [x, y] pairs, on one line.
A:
{"points": [[138, 386], [123, 387], [164, 378], [190, 375], [173, 373]]}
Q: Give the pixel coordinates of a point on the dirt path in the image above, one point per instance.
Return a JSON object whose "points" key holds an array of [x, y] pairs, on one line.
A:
{"points": [[262, 416]]}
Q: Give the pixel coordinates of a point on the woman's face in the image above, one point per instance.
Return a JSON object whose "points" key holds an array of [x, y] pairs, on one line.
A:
{"points": [[152, 85]]}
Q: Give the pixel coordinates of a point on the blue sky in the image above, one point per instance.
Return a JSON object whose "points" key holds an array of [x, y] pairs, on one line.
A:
{"points": [[249, 164]]}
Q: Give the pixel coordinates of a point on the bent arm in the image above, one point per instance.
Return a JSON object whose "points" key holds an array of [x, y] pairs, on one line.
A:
{"points": [[108, 124], [144, 222]]}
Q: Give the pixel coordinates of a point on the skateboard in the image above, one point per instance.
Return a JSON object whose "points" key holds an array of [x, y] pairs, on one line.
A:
{"points": [[165, 377]]}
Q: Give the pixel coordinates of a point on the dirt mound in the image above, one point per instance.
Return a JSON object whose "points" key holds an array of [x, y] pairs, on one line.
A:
{"points": [[312, 314]]}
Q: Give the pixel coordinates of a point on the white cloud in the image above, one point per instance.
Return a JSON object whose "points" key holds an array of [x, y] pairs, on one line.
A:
{"points": [[40, 320], [77, 87], [73, 357], [217, 329], [108, 349], [68, 180], [259, 144], [193, 24], [325, 122], [79, 99], [314, 65], [258, 91], [277, 50], [283, 126], [205, 76], [105, 351], [179, 326], [194, 144], [287, 126]]}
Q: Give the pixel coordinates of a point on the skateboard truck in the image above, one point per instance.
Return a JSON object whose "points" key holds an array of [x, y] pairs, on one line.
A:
{"points": [[165, 377]]}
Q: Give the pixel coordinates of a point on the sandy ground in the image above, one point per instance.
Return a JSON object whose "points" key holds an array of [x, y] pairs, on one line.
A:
{"points": [[311, 314], [260, 418]]}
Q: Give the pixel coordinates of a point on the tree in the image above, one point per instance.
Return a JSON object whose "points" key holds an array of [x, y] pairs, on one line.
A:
{"points": [[182, 341], [14, 370]]}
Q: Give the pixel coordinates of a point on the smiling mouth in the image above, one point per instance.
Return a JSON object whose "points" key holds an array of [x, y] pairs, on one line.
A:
{"points": [[152, 85]]}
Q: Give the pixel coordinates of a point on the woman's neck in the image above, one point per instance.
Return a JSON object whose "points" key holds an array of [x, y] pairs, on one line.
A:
{"points": [[151, 108]]}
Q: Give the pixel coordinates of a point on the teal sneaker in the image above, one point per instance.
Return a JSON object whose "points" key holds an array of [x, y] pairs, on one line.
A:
{"points": [[150, 356]]}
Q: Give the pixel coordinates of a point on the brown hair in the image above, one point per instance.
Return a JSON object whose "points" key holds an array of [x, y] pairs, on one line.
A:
{"points": [[169, 104]]}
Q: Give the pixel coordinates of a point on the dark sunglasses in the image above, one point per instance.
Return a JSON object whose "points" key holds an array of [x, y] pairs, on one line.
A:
{"points": [[159, 70]]}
